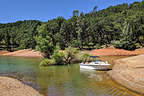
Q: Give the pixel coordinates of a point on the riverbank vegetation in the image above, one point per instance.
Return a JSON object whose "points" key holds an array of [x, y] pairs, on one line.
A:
{"points": [[68, 56]]}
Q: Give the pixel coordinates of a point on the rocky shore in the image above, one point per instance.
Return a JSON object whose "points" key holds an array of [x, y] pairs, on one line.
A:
{"points": [[13, 87], [129, 72]]}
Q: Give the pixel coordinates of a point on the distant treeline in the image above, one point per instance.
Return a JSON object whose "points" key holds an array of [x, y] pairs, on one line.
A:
{"points": [[121, 26]]}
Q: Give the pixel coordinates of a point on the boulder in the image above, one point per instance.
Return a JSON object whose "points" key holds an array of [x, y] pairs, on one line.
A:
{"points": [[129, 72], [13, 87]]}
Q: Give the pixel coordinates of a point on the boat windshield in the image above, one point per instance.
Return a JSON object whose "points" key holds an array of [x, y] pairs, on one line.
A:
{"points": [[94, 56]]}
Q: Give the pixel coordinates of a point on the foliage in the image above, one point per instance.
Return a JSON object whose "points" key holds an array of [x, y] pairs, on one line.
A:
{"points": [[58, 57], [127, 38], [70, 54], [85, 57], [44, 43], [47, 62], [61, 58], [75, 13], [121, 25], [19, 35]]}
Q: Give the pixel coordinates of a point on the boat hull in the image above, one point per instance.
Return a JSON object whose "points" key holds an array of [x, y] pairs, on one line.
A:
{"points": [[94, 67]]}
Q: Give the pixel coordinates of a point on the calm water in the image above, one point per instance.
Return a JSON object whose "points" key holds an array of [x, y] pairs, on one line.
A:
{"points": [[61, 80]]}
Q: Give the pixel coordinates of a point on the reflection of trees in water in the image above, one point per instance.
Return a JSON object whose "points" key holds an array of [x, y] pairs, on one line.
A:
{"points": [[110, 88], [63, 80], [57, 78], [102, 85], [23, 69], [97, 75]]}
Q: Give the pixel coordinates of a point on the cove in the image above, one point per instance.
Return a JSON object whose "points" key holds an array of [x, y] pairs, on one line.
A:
{"points": [[61, 80]]}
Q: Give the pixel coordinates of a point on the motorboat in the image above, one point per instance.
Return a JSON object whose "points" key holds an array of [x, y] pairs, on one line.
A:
{"points": [[92, 65]]}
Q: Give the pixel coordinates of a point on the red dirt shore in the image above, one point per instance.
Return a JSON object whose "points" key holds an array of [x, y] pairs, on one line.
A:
{"points": [[115, 52], [97, 52], [22, 53]]}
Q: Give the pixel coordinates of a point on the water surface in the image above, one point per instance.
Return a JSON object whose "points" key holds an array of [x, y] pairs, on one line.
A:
{"points": [[61, 80]]}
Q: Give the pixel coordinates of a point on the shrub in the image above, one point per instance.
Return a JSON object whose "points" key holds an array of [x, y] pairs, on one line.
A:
{"points": [[70, 54], [116, 44], [58, 57], [47, 62], [61, 58], [85, 57], [127, 45], [45, 45]]}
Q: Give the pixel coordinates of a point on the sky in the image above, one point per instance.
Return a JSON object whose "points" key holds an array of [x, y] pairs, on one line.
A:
{"points": [[44, 10]]}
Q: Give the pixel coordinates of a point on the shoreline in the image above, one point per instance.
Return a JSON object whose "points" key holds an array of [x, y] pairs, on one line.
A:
{"points": [[13, 87], [129, 72], [23, 53], [95, 52], [115, 52]]}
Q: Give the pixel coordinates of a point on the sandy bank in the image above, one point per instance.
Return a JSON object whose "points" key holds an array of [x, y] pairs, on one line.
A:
{"points": [[97, 52], [22, 53], [129, 72], [115, 52], [13, 87]]}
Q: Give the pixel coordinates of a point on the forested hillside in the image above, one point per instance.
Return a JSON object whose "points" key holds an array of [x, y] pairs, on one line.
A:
{"points": [[121, 26]]}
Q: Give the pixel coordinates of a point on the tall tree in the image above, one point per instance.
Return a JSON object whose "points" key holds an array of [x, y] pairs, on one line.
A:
{"points": [[44, 42], [75, 13]]}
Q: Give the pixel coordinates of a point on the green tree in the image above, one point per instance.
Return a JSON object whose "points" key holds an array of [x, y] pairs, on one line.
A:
{"points": [[44, 42], [58, 57], [95, 9], [75, 13], [127, 37], [70, 54]]}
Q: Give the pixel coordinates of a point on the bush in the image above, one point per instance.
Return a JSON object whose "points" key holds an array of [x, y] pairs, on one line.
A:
{"points": [[127, 45], [61, 58], [85, 57], [70, 54], [47, 62], [116, 44], [45, 45], [58, 57]]}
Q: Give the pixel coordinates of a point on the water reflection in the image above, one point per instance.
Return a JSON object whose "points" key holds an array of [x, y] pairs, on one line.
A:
{"points": [[97, 75], [62, 80]]}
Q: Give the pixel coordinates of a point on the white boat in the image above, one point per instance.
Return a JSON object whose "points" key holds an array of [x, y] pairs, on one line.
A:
{"points": [[95, 65]]}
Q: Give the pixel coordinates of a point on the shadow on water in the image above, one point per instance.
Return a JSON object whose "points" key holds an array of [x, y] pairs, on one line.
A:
{"points": [[61, 80]]}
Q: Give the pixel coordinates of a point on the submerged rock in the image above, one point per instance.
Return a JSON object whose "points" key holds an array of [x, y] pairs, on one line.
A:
{"points": [[129, 72], [13, 87]]}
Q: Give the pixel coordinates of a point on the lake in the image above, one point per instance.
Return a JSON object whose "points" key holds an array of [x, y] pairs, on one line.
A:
{"points": [[61, 80]]}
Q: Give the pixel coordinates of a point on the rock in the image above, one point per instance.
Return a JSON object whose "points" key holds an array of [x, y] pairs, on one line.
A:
{"points": [[129, 72], [13, 87]]}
